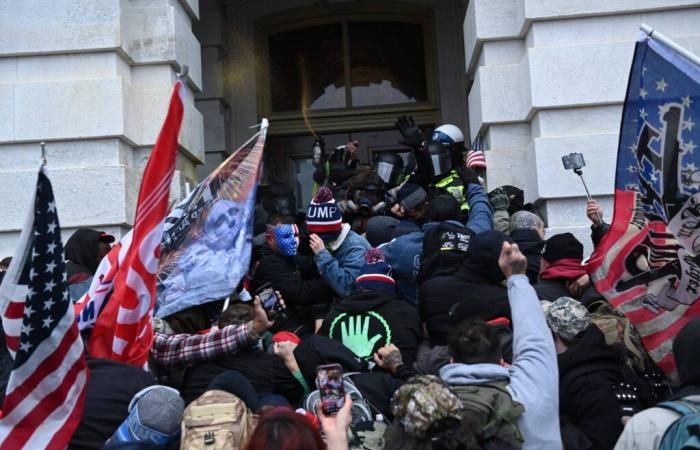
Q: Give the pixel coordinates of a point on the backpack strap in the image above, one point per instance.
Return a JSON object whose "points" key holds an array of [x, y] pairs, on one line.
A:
{"points": [[682, 407]]}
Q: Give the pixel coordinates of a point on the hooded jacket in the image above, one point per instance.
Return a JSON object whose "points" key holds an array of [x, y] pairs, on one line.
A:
{"points": [[530, 244], [110, 388], [340, 267], [588, 370], [298, 289], [370, 319], [532, 378], [645, 429], [475, 289], [81, 260]]}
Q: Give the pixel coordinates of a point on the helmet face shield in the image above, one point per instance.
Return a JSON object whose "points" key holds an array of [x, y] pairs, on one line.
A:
{"points": [[441, 164], [440, 157], [385, 171]]}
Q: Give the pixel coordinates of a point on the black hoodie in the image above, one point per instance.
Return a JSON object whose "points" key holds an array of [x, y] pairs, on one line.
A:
{"points": [[387, 319], [530, 244], [588, 370], [81, 253], [475, 287], [304, 293]]}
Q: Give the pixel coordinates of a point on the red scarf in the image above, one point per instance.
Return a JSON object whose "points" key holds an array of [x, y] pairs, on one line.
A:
{"points": [[567, 269]]}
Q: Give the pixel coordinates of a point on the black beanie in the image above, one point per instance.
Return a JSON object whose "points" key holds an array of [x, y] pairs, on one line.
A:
{"points": [[686, 354], [562, 246], [410, 196], [443, 207]]}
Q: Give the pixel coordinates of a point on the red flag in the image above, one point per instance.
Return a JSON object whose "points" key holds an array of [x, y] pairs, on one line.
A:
{"points": [[123, 329]]}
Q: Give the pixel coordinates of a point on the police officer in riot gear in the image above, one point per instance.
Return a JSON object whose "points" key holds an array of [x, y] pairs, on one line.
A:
{"points": [[389, 167], [440, 165]]}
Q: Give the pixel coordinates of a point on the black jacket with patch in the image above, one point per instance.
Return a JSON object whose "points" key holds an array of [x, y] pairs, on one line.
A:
{"points": [[474, 290], [368, 320]]}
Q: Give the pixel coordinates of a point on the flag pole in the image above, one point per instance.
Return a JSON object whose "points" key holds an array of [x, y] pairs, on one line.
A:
{"points": [[649, 31]]}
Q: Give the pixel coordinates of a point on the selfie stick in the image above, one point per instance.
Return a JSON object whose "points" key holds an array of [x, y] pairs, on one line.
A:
{"points": [[579, 172]]}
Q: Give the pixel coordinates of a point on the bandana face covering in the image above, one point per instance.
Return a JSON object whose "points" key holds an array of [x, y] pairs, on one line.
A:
{"points": [[287, 239]]}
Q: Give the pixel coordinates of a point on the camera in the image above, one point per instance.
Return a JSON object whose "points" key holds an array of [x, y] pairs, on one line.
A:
{"points": [[573, 161]]}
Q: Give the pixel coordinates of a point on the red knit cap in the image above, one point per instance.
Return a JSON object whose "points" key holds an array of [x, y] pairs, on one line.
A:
{"points": [[284, 336]]}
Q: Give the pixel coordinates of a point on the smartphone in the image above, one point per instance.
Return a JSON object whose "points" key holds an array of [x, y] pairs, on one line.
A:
{"points": [[329, 380], [270, 302], [573, 161]]}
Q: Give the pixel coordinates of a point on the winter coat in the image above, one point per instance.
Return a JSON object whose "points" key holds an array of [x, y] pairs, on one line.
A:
{"points": [[405, 252], [110, 388], [267, 373], [588, 370], [403, 255], [380, 317], [474, 290], [533, 377], [530, 244], [299, 285], [342, 265]]}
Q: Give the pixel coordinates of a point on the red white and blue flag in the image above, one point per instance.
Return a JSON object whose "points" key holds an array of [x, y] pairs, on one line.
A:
{"points": [[475, 156], [647, 265], [127, 275], [45, 393]]}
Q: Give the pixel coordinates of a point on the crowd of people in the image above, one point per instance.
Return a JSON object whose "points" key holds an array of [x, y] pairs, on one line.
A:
{"points": [[456, 324]]}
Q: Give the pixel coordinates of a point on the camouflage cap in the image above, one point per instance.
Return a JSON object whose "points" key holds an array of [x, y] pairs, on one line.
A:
{"points": [[566, 317], [422, 401]]}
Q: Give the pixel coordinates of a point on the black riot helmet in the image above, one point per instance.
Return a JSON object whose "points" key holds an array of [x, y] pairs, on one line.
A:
{"points": [[440, 157], [389, 167]]}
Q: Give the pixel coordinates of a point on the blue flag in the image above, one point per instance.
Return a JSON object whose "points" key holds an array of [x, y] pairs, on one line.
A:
{"points": [[647, 265]]}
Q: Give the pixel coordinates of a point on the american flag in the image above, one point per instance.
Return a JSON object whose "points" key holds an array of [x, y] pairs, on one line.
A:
{"points": [[121, 298], [46, 390], [475, 156]]}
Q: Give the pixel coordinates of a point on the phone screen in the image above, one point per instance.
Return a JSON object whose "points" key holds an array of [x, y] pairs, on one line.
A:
{"points": [[270, 302], [330, 386]]}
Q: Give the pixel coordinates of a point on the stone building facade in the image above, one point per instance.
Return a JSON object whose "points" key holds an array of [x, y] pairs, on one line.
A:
{"points": [[536, 78]]}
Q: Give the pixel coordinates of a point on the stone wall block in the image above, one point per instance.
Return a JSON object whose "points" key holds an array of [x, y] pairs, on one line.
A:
{"points": [[512, 166], [58, 26], [556, 9], [84, 196], [579, 75], [68, 109], [600, 152], [502, 93], [7, 112]]}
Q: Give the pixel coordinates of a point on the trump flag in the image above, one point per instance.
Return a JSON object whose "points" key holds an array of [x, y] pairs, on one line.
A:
{"points": [[647, 265]]}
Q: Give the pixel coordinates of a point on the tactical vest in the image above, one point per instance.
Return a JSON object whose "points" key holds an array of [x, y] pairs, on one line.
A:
{"points": [[452, 183]]}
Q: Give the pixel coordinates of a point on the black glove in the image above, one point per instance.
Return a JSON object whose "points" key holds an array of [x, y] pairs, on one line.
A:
{"points": [[412, 135], [467, 175]]}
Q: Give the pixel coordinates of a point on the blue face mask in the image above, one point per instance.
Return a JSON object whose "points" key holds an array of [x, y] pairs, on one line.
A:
{"points": [[287, 239]]}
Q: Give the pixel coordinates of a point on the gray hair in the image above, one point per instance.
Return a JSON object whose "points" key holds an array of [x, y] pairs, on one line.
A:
{"points": [[526, 220]]}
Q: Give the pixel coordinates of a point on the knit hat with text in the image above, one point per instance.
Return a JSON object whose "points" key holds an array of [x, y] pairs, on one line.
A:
{"points": [[323, 216], [376, 273]]}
